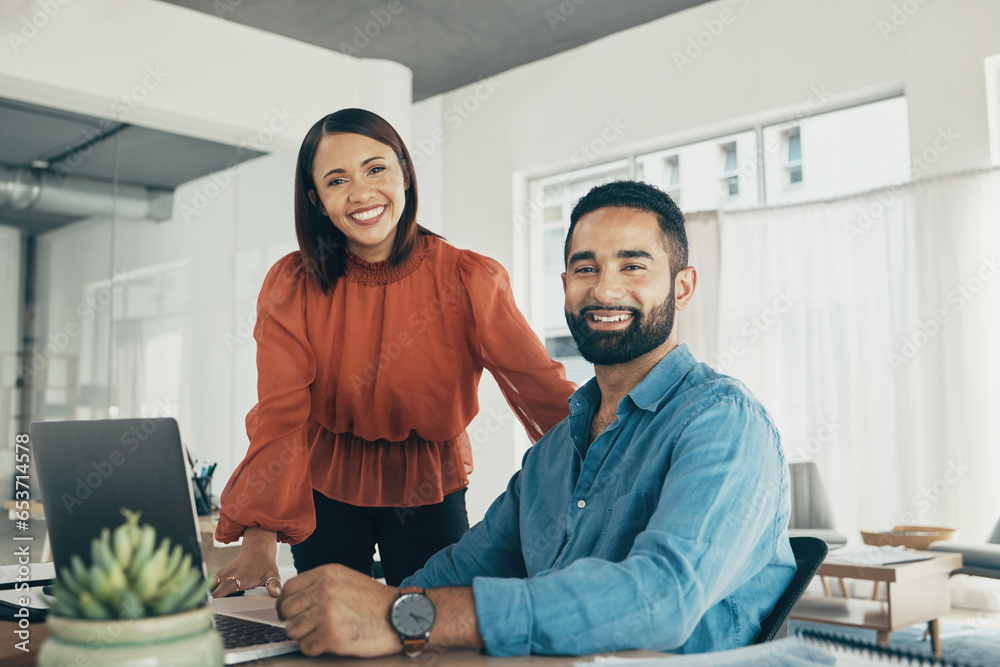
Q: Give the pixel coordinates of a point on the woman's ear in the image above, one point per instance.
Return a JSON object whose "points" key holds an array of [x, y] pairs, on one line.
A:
{"points": [[312, 198]]}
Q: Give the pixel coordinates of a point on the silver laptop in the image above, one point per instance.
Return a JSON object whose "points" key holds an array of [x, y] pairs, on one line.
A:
{"points": [[89, 470]]}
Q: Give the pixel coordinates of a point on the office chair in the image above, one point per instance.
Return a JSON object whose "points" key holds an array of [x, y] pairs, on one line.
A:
{"points": [[811, 515], [809, 554]]}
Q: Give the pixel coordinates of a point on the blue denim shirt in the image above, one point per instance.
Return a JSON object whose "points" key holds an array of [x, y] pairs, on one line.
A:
{"points": [[668, 533]]}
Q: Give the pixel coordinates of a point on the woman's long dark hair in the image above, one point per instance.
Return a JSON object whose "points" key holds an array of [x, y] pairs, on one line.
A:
{"points": [[322, 245]]}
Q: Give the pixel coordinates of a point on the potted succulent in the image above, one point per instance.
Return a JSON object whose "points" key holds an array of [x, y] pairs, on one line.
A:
{"points": [[137, 604]]}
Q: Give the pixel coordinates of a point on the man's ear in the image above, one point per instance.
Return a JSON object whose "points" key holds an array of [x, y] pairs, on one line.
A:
{"points": [[563, 276], [684, 283]]}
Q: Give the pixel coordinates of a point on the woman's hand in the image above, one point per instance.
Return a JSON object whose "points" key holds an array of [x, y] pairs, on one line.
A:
{"points": [[255, 565]]}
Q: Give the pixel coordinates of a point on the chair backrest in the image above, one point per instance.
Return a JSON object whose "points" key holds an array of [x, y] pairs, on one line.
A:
{"points": [[810, 507], [994, 537], [809, 554]]}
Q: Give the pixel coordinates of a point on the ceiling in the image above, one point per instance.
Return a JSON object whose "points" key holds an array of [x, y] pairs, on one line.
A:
{"points": [[65, 144], [446, 43]]}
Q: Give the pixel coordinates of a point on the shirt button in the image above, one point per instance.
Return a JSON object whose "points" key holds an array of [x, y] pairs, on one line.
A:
{"points": [[581, 503]]}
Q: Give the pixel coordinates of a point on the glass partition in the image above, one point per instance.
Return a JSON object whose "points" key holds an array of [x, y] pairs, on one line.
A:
{"points": [[130, 283]]}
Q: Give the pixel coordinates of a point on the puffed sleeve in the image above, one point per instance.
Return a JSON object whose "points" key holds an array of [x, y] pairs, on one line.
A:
{"points": [[501, 341], [272, 487]]}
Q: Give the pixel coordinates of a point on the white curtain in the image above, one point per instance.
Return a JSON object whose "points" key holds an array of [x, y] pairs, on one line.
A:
{"points": [[698, 325], [868, 326]]}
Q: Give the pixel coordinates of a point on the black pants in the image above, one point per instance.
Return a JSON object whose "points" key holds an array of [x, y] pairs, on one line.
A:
{"points": [[406, 536]]}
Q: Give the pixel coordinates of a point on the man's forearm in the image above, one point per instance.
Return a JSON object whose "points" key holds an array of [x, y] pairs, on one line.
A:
{"points": [[456, 624]]}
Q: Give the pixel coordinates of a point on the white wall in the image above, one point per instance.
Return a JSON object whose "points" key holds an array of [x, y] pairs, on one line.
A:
{"points": [[174, 69], [175, 337], [627, 93]]}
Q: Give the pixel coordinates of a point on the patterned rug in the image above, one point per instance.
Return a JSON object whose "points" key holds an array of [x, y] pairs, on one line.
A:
{"points": [[962, 643]]}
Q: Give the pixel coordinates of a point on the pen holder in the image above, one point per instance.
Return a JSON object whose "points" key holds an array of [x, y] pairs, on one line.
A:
{"points": [[202, 487]]}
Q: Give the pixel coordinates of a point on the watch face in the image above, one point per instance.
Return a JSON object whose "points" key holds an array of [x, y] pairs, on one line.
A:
{"points": [[412, 615]]}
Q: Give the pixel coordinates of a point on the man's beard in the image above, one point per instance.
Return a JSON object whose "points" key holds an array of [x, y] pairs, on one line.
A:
{"points": [[644, 333]]}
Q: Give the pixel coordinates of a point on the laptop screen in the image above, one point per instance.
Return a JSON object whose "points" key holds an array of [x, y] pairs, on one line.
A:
{"points": [[88, 471]]}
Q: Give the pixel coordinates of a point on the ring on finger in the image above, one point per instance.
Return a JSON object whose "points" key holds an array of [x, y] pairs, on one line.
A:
{"points": [[270, 579], [213, 574], [239, 586]]}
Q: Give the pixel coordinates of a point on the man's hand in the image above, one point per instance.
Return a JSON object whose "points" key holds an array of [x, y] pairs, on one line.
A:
{"points": [[333, 609]]}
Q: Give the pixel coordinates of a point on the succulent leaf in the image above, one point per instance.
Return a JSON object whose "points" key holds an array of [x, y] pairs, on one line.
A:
{"points": [[129, 577]]}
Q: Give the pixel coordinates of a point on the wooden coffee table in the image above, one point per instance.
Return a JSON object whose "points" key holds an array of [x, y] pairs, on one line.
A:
{"points": [[918, 593]]}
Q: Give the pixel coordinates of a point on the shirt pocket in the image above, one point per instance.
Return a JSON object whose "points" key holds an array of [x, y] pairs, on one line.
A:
{"points": [[625, 520]]}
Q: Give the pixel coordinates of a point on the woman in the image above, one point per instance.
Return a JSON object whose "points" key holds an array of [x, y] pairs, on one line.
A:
{"points": [[370, 343]]}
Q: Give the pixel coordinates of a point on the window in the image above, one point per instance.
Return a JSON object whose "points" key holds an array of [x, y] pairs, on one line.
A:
{"points": [[793, 157], [992, 64], [699, 187], [730, 171], [553, 199], [879, 131], [672, 169], [720, 172]]}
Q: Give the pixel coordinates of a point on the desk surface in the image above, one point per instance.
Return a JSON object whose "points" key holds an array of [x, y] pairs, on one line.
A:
{"points": [[12, 657]]}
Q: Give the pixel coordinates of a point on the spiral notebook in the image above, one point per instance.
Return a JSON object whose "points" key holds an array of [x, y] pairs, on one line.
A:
{"points": [[852, 652]]}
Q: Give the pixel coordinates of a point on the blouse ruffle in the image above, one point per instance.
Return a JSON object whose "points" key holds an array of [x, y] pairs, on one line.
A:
{"points": [[364, 393]]}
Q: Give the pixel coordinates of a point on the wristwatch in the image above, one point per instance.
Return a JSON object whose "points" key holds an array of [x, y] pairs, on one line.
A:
{"points": [[412, 617]]}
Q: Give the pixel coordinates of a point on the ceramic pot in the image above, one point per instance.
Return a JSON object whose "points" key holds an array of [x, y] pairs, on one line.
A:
{"points": [[178, 640]]}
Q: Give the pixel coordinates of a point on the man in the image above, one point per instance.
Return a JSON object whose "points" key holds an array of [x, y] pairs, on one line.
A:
{"points": [[653, 517]]}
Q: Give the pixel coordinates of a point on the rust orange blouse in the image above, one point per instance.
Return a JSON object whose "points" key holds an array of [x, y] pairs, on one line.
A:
{"points": [[364, 393]]}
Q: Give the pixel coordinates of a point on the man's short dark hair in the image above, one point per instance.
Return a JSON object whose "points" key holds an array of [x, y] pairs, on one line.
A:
{"points": [[640, 197]]}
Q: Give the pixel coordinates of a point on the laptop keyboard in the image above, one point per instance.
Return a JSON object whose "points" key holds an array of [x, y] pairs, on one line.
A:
{"points": [[240, 633]]}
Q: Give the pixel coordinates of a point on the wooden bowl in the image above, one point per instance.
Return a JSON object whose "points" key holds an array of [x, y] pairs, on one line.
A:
{"points": [[911, 537]]}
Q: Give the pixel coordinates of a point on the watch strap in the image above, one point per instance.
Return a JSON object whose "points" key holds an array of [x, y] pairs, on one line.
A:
{"points": [[414, 647]]}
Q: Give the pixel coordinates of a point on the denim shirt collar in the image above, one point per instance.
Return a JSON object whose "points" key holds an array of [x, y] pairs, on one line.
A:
{"points": [[652, 391]]}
